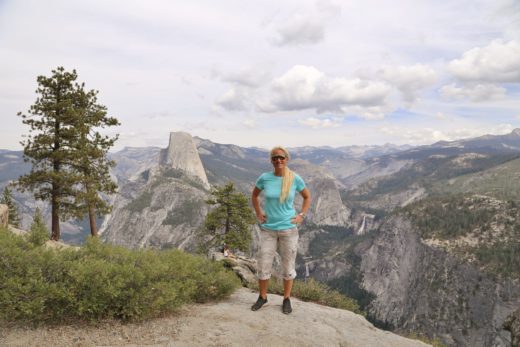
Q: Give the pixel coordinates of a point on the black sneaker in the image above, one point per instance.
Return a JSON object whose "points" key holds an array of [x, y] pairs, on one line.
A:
{"points": [[286, 306], [259, 303]]}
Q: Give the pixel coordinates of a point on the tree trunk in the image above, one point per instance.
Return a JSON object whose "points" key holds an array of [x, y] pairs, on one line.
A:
{"points": [[56, 187], [55, 234], [92, 219]]}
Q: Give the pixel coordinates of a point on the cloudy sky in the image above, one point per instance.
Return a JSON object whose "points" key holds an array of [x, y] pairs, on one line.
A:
{"points": [[262, 73]]}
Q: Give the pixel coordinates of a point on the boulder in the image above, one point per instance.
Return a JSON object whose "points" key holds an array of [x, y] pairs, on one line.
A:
{"points": [[244, 268]]}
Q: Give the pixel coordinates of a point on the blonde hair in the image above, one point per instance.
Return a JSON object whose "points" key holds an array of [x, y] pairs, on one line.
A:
{"points": [[288, 174]]}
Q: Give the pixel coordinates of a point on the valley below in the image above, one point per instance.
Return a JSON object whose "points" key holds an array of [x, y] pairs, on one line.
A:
{"points": [[426, 239]]}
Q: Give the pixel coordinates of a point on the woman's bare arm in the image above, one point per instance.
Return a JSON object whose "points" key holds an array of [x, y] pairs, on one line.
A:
{"points": [[260, 216], [306, 195]]}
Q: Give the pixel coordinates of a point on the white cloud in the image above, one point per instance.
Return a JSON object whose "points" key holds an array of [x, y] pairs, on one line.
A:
{"points": [[305, 87], [410, 80], [317, 123], [301, 30], [476, 93], [499, 62], [147, 59], [251, 76], [308, 26], [235, 99]]}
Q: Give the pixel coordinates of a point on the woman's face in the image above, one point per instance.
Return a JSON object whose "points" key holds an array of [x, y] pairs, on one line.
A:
{"points": [[278, 159]]}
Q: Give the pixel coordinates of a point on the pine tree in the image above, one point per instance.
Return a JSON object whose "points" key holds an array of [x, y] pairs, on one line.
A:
{"points": [[49, 144], [91, 161], [39, 232], [229, 222], [7, 199], [68, 156]]}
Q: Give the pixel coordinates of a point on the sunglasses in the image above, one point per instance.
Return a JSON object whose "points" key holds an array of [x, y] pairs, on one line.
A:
{"points": [[277, 157]]}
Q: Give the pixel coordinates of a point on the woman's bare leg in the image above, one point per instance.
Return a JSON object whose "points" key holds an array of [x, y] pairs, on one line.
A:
{"points": [[287, 287], [262, 285]]}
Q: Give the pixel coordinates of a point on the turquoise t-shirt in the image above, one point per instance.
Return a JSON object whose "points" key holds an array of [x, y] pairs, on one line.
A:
{"points": [[279, 215]]}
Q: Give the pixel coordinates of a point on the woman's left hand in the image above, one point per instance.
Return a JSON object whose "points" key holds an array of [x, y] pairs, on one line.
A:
{"points": [[298, 219]]}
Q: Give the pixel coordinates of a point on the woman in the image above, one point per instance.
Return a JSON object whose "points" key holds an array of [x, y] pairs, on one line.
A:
{"points": [[278, 223]]}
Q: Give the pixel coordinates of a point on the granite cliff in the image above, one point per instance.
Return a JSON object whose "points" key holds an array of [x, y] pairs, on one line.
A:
{"points": [[327, 207], [420, 288], [182, 155], [161, 206]]}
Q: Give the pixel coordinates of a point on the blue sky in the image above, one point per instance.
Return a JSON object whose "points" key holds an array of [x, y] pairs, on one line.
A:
{"points": [[262, 73]]}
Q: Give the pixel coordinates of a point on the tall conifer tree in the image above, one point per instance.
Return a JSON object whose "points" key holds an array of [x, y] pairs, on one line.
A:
{"points": [[70, 167], [91, 157], [49, 145]]}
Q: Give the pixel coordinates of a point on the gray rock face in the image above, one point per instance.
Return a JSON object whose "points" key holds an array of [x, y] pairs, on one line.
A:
{"points": [[164, 205], [159, 212], [327, 207], [373, 170], [245, 268], [419, 288], [182, 154], [131, 160], [4, 215]]}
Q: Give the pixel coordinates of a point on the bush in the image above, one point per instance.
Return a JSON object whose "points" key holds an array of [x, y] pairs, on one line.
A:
{"points": [[39, 233], [100, 281], [316, 292]]}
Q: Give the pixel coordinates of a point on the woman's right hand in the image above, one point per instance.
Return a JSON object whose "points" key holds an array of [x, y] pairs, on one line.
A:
{"points": [[261, 218]]}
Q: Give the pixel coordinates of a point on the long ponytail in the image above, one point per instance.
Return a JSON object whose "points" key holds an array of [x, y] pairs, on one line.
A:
{"points": [[287, 181]]}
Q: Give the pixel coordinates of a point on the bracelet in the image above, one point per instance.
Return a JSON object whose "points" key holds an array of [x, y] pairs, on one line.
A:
{"points": [[301, 214]]}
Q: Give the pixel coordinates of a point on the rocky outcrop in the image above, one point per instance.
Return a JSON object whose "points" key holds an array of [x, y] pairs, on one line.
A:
{"points": [[163, 209], [182, 154], [4, 215], [164, 205], [245, 268], [227, 323], [419, 288]]}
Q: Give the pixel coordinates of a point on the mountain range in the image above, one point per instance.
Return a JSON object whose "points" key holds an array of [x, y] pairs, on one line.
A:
{"points": [[426, 238]]}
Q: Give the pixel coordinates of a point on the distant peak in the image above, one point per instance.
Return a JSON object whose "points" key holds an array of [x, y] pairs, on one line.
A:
{"points": [[182, 154]]}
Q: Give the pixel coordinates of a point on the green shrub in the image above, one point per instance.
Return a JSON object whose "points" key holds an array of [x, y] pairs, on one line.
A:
{"points": [[316, 292], [39, 233], [101, 281]]}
